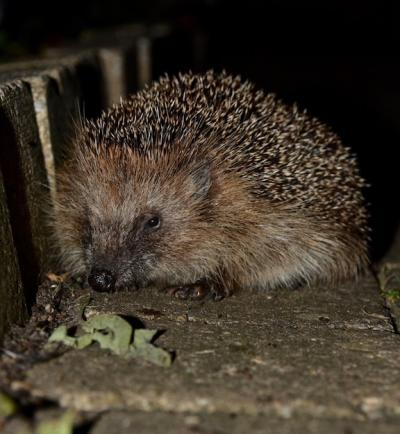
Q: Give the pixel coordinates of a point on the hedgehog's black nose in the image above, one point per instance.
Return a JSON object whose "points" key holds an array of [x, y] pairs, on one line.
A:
{"points": [[101, 280]]}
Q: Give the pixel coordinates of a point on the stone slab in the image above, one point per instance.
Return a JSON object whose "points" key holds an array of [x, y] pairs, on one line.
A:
{"points": [[118, 422], [312, 353], [388, 271]]}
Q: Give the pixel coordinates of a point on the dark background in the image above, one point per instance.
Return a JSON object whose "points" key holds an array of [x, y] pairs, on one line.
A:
{"points": [[338, 59]]}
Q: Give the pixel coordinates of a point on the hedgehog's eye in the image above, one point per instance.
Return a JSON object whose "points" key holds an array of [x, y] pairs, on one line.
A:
{"points": [[153, 222]]}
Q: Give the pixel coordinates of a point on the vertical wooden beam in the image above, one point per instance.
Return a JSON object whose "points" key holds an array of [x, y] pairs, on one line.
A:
{"points": [[12, 299], [25, 182]]}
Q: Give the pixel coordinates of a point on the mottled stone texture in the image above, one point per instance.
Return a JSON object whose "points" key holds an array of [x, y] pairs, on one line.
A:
{"points": [[314, 357], [12, 301], [118, 422]]}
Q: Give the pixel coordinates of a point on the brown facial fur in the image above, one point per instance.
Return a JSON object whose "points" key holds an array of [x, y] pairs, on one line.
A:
{"points": [[251, 193]]}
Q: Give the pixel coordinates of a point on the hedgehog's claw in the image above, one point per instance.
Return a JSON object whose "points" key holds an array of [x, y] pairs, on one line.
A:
{"points": [[219, 292], [189, 292]]}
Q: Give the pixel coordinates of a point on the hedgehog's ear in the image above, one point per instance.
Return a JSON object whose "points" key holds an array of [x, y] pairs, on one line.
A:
{"points": [[201, 177]]}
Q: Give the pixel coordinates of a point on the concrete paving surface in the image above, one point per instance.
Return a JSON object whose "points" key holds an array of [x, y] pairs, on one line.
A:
{"points": [[306, 361]]}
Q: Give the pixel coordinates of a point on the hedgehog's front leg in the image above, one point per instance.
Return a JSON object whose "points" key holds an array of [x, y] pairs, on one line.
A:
{"points": [[216, 290]]}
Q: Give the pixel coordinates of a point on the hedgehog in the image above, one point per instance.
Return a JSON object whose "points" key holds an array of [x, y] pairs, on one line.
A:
{"points": [[201, 185]]}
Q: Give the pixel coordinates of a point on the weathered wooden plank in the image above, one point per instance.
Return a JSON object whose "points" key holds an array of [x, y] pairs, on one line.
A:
{"points": [[56, 107], [144, 63], [125, 55], [114, 63], [39, 103], [121, 57], [12, 300], [61, 89], [25, 182]]}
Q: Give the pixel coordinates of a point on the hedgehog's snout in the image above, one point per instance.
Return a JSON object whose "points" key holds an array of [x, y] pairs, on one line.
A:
{"points": [[101, 280]]}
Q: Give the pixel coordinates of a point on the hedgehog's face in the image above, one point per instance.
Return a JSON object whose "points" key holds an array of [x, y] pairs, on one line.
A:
{"points": [[137, 231], [121, 253]]}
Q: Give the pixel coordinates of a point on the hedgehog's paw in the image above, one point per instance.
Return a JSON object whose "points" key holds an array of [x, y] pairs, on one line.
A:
{"points": [[196, 291], [199, 291]]}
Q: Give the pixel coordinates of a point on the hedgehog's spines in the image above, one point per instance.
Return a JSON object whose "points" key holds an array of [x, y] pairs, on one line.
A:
{"points": [[291, 171]]}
